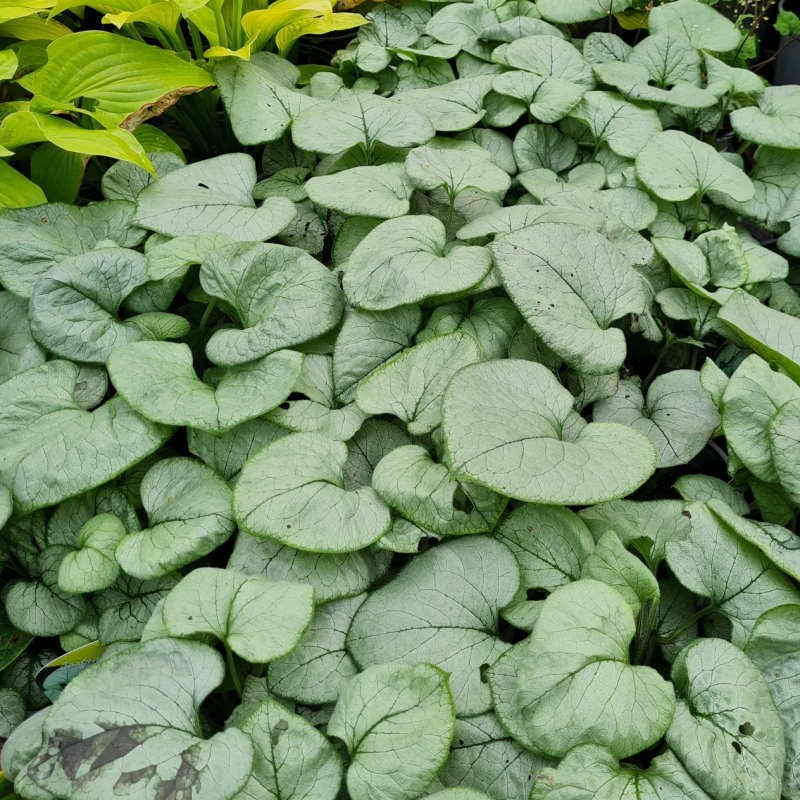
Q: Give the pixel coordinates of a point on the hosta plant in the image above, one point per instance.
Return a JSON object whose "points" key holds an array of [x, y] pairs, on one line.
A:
{"points": [[82, 94], [448, 447]]}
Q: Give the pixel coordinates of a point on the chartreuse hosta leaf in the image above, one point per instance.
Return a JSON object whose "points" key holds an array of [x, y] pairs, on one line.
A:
{"points": [[770, 333], [319, 667], [360, 119], [678, 416], [576, 685], [259, 106], [132, 723], [213, 196], [774, 647], [675, 166], [442, 607], [397, 721], [16, 190], [292, 491], [716, 562], [159, 381], [87, 65], [705, 28], [570, 284], [259, 620], [593, 772], [411, 385], [33, 241], [381, 191], [292, 758], [281, 296], [421, 490], [93, 567], [406, 260], [74, 309], [53, 449], [332, 575], [189, 512], [726, 731], [509, 425]]}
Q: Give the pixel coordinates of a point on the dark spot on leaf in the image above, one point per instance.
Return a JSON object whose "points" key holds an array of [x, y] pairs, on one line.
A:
{"points": [[746, 729], [686, 514], [536, 593], [530, 529], [736, 746], [285, 406], [461, 742], [202, 186], [483, 670], [127, 779], [288, 526], [275, 734]]}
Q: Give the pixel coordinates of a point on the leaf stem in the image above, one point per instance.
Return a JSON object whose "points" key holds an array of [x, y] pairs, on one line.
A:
{"points": [[696, 617], [236, 24], [222, 30], [669, 340], [209, 310], [197, 44], [232, 670], [645, 625], [698, 205]]}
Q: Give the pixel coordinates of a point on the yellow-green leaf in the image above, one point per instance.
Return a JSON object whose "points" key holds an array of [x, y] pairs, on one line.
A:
{"points": [[27, 127], [59, 172], [288, 35], [244, 52], [8, 64], [263, 24], [27, 29], [28, 8], [164, 15], [632, 20], [16, 190], [130, 81]]}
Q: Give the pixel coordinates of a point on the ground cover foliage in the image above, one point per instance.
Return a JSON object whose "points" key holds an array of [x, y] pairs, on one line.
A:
{"points": [[442, 443]]}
